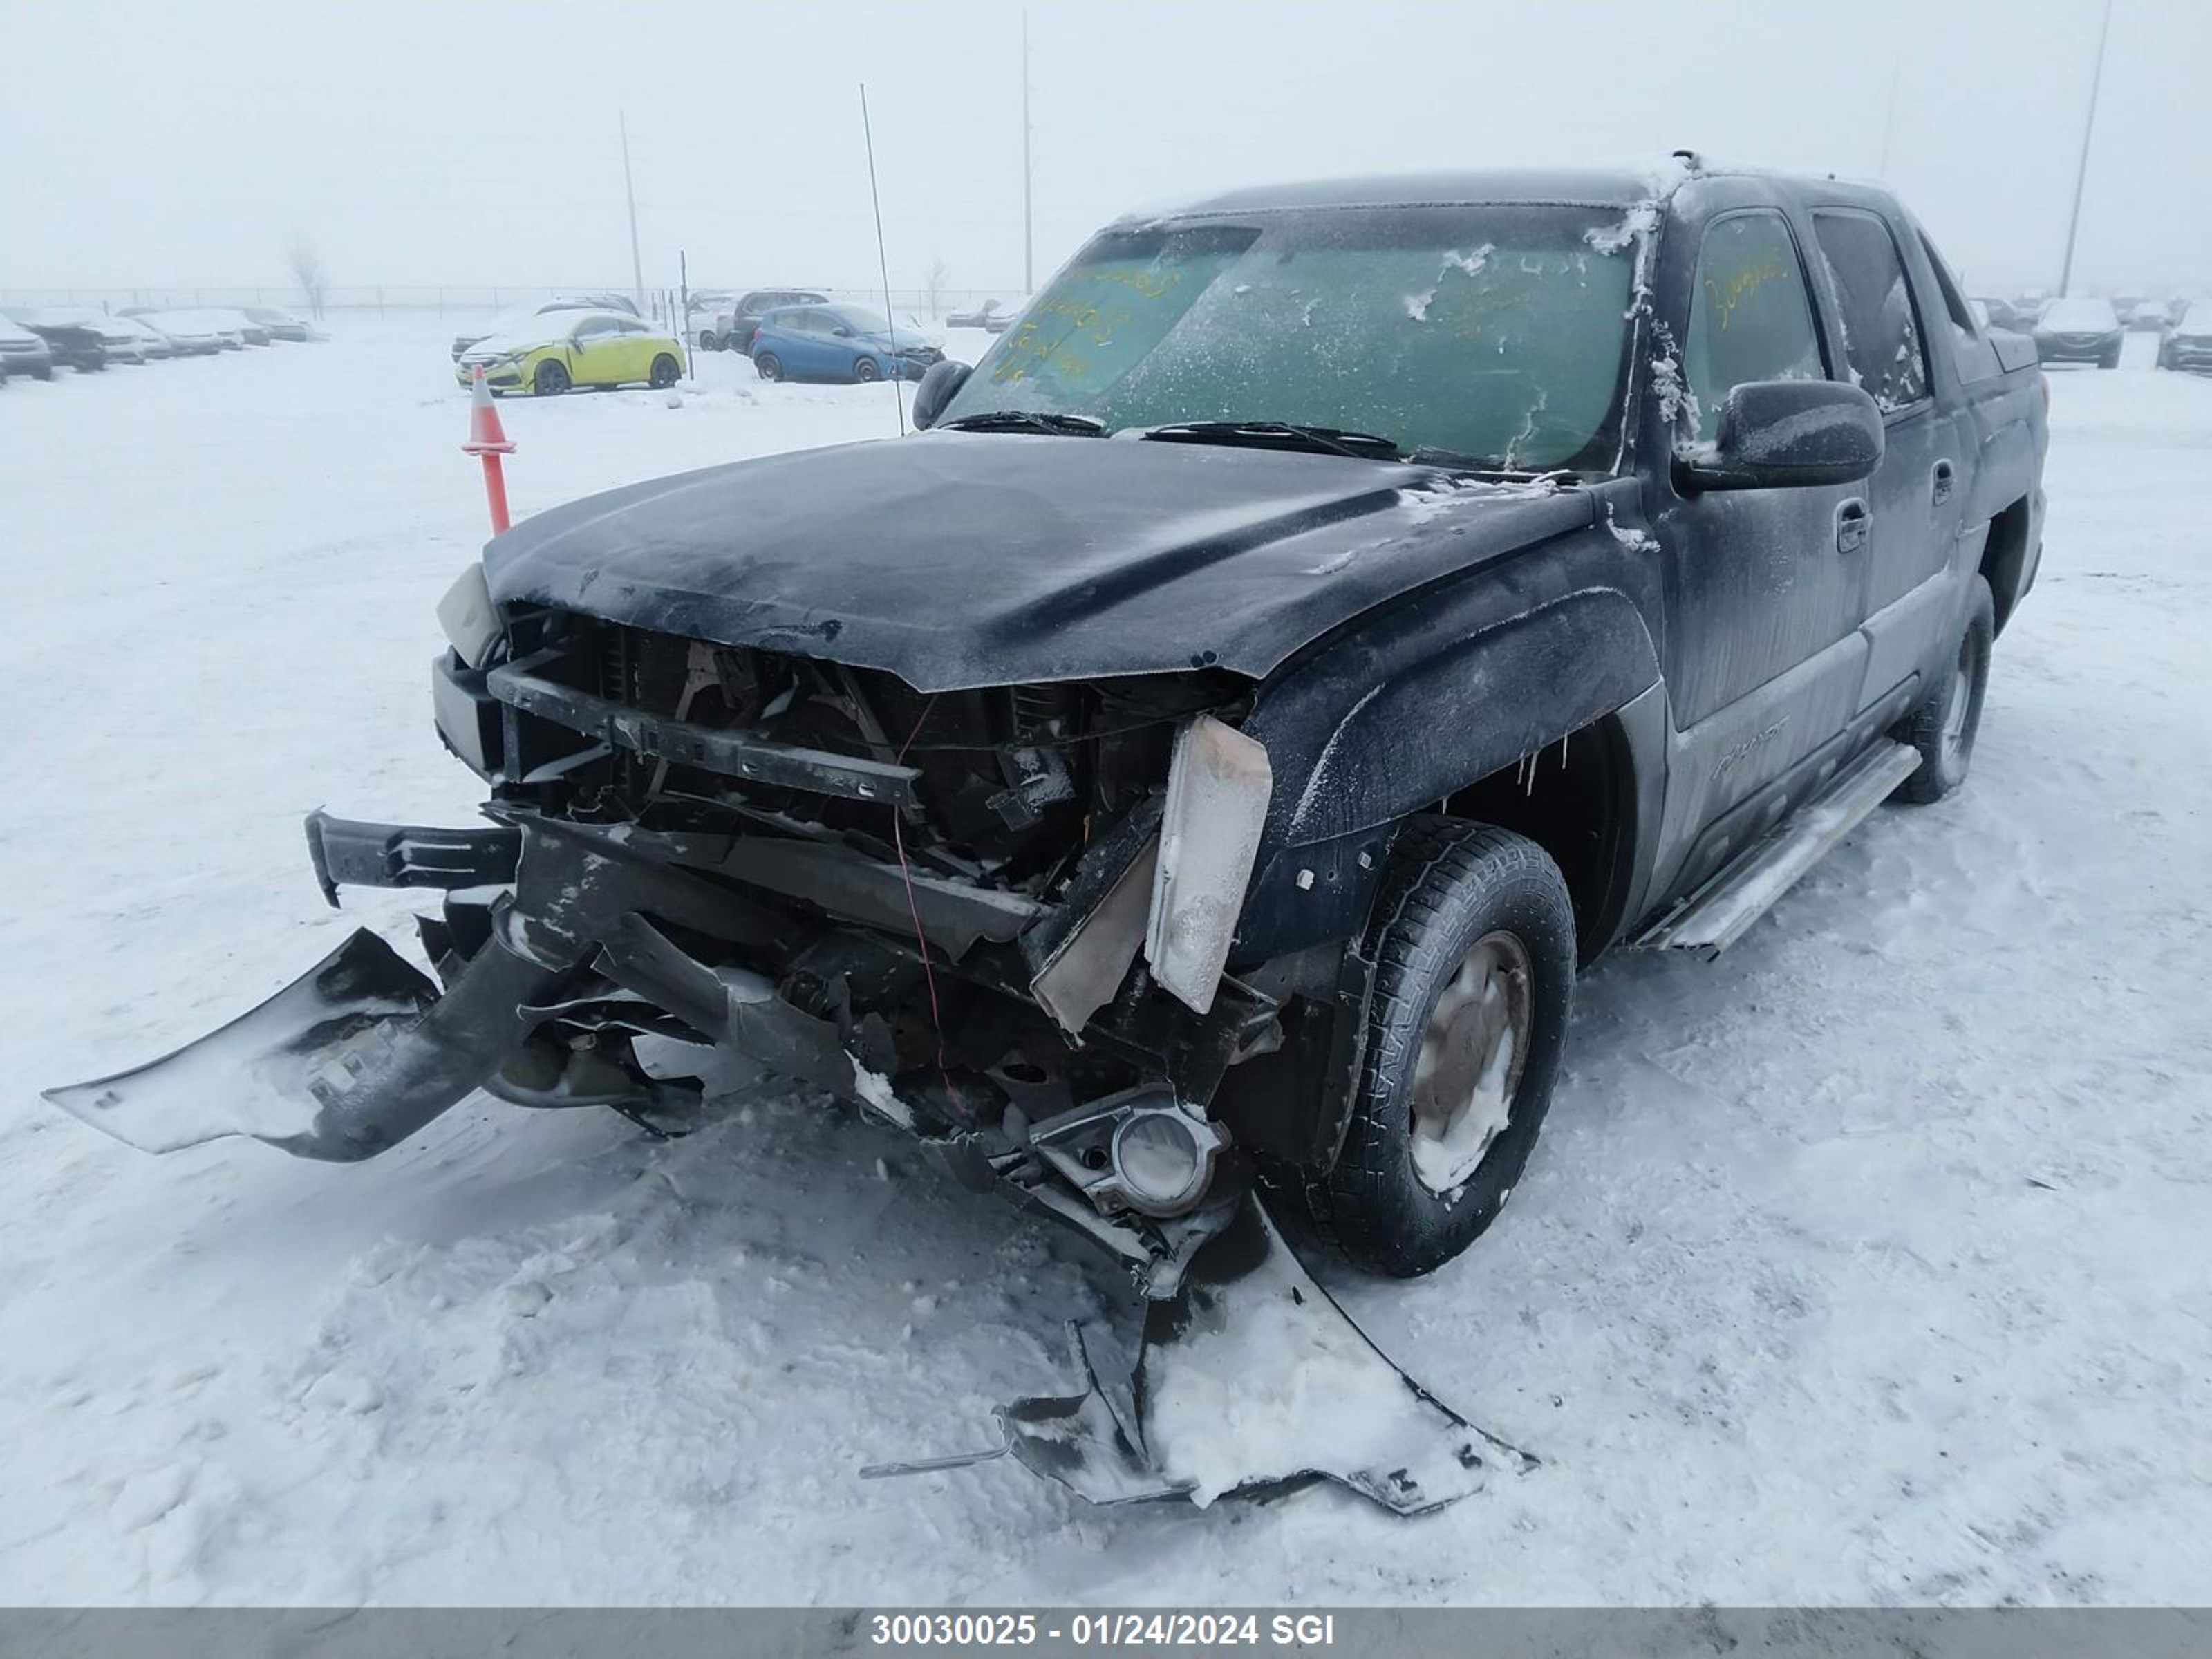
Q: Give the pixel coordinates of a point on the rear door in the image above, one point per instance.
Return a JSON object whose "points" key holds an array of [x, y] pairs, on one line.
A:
{"points": [[1765, 589], [1918, 494], [783, 334]]}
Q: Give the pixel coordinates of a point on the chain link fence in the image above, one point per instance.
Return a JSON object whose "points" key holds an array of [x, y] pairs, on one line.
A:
{"points": [[417, 301]]}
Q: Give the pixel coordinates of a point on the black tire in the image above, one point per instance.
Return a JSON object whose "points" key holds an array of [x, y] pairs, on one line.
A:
{"points": [[1450, 888], [865, 370], [666, 371], [550, 379], [769, 366], [45, 373], [709, 341], [1939, 728], [2111, 360]]}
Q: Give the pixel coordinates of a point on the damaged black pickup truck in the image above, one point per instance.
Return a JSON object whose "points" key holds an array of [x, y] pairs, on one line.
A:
{"points": [[1205, 755]]}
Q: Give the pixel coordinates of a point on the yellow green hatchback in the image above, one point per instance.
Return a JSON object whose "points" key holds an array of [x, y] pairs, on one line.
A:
{"points": [[561, 350]]}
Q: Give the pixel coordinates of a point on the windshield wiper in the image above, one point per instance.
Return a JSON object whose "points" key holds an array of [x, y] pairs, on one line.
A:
{"points": [[1278, 434], [1028, 420]]}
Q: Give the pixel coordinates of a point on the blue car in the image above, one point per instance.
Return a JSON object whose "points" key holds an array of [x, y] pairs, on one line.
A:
{"points": [[836, 343]]}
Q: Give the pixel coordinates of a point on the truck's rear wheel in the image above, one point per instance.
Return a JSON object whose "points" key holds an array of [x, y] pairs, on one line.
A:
{"points": [[1943, 728], [1473, 939]]}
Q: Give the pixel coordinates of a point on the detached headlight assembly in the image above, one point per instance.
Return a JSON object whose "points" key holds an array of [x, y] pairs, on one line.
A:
{"points": [[469, 617], [1217, 788]]}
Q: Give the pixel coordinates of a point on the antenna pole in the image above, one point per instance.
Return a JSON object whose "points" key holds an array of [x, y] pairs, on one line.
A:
{"points": [[2082, 171], [883, 262], [1029, 239], [629, 191], [1889, 120]]}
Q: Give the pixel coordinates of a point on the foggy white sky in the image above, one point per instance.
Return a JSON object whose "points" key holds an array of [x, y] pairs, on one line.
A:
{"points": [[465, 144]]}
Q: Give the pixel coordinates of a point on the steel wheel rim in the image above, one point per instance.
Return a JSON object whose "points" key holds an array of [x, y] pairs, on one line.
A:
{"points": [[1474, 1051], [1962, 697], [866, 370]]}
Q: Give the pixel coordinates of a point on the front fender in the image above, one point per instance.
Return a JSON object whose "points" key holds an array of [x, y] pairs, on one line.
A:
{"points": [[1396, 718]]}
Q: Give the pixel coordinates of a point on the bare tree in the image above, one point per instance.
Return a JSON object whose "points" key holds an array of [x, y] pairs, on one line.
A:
{"points": [[932, 286], [308, 272]]}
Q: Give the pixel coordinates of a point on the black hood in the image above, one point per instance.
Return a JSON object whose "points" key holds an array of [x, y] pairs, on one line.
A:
{"points": [[956, 560]]}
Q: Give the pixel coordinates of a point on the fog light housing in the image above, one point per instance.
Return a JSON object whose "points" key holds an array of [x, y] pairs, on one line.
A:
{"points": [[1159, 1161]]}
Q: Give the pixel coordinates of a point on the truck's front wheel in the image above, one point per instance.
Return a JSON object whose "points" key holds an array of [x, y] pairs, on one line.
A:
{"points": [[1473, 939]]}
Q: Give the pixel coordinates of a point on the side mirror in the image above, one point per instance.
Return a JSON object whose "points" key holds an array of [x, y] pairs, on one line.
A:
{"points": [[842, 332], [940, 384], [1780, 434]]}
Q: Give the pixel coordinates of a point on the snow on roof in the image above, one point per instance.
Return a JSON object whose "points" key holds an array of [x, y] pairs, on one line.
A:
{"points": [[528, 333]]}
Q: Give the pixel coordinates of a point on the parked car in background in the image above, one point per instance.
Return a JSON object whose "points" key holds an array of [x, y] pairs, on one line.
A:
{"points": [[127, 340], [121, 338], [702, 313], [154, 343], [917, 329], [2080, 329], [281, 324], [189, 334], [22, 352], [999, 322], [225, 328], [551, 354], [254, 333], [2002, 313], [71, 342], [837, 343], [2189, 344], [736, 326], [977, 316], [522, 316]]}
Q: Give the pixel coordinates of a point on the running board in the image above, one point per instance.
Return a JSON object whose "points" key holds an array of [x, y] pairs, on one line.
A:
{"points": [[1716, 916]]}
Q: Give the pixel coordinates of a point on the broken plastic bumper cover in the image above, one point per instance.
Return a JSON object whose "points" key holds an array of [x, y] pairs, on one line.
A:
{"points": [[346, 853], [344, 1063], [1249, 1380], [1249, 1375], [364, 1050]]}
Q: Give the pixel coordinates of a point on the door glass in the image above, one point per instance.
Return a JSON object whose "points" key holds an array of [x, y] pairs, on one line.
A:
{"points": [[1881, 333], [1750, 319], [1963, 329]]}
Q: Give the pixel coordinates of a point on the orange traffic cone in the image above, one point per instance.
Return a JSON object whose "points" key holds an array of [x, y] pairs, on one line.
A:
{"points": [[489, 439]]}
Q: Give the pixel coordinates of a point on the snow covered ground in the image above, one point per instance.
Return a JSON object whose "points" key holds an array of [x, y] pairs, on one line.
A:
{"points": [[1868, 1264]]}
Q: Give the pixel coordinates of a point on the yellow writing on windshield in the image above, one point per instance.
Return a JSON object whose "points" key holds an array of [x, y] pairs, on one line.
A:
{"points": [[1724, 295]]}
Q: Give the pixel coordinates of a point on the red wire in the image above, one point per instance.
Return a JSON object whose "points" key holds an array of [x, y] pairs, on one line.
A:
{"points": [[920, 939]]}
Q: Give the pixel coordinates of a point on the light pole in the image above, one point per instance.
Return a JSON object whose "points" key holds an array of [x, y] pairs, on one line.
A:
{"points": [[1889, 120], [629, 191], [2081, 170], [1029, 240]]}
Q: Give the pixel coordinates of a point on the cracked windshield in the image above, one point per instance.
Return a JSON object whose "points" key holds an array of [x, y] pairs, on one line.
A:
{"points": [[1491, 336]]}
